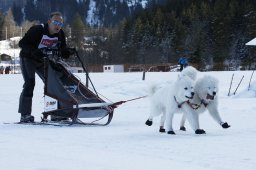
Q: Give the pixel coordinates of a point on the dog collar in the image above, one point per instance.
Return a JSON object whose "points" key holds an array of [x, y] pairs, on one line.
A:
{"points": [[180, 104], [197, 106], [194, 105], [204, 103]]}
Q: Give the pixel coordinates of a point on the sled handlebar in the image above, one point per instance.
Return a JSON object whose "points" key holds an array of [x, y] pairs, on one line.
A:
{"points": [[56, 53], [47, 49], [55, 49]]}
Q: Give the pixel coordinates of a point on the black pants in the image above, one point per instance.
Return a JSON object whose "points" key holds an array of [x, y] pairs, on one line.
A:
{"points": [[181, 67], [28, 68]]}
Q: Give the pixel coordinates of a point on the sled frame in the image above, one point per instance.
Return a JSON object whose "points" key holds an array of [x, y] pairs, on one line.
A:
{"points": [[55, 53]]}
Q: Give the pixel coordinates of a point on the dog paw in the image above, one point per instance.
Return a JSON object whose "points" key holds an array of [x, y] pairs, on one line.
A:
{"points": [[225, 125], [200, 131], [149, 122], [161, 130], [182, 128], [171, 132]]}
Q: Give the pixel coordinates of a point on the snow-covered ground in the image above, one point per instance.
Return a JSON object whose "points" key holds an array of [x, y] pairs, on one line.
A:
{"points": [[127, 143], [6, 48]]}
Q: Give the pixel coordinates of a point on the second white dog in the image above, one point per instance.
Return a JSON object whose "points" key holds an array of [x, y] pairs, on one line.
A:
{"points": [[205, 98], [171, 99]]}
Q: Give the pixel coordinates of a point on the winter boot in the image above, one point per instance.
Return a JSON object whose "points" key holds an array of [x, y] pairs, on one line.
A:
{"points": [[27, 119]]}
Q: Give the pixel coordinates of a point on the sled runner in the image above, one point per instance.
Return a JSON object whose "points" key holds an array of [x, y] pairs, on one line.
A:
{"points": [[66, 96]]}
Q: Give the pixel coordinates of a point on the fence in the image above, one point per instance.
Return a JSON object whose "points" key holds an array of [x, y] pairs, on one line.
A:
{"points": [[12, 31], [135, 67]]}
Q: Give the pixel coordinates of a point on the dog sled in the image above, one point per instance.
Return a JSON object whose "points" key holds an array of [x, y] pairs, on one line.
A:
{"points": [[67, 97]]}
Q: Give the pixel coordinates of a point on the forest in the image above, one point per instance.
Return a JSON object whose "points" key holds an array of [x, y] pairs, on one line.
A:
{"points": [[210, 33]]}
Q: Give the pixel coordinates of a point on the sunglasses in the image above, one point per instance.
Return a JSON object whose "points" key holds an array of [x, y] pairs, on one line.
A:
{"points": [[57, 23]]}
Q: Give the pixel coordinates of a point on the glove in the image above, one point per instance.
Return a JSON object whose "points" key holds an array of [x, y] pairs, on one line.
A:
{"points": [[66, 52]]}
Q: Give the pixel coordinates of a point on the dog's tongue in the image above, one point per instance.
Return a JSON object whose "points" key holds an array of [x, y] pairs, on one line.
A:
{"points": [[209, 97]]}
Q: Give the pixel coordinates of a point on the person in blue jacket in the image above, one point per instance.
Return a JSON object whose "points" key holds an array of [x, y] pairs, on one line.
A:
{"points": [[183, 62]]}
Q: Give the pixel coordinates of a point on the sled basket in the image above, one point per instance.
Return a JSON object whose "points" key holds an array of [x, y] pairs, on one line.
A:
{"points": [[72, 99]]}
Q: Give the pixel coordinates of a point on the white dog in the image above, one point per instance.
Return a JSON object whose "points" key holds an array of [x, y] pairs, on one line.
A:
{"points": [[205, 98], [171, 99], [189, 71]]}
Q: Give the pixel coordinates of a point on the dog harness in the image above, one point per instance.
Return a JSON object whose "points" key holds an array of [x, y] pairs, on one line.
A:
{"points": [[180, 104], [197, 106]]}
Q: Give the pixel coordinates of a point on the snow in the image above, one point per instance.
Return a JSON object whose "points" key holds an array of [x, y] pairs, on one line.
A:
{"points": [[252, 42], [144, 3], [127, 143], [5, 47], [132, 3], [92, 19]]}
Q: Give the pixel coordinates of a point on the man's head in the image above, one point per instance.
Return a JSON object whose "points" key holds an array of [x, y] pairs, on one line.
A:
{"points": [[55, 22]]}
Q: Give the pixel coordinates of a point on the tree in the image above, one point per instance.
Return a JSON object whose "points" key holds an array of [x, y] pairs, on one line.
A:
{"points": [[9, 26], [30, 10], [17, 13], [221, 30], [25, 25], [1, 25], [78, 31]]}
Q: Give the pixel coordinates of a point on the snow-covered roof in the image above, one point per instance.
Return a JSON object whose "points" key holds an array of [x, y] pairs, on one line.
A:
{"points": [[252, 42], [5, 47]]}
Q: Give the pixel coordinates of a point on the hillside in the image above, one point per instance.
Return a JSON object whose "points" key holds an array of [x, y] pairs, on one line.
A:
{"points": [[93, 12]]}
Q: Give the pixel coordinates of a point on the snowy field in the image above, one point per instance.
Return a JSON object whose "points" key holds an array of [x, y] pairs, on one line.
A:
{"points": [[127, 143]]}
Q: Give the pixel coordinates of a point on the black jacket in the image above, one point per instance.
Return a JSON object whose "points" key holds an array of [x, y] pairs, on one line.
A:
{"points": [[37, 37]]}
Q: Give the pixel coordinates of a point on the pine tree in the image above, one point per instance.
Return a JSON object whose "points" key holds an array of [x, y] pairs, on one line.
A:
{"points": [[10, 26], [25, 25], [43, 9], [1, 26], [30, 10], [77, 31], [221, 32], [17, 13]]}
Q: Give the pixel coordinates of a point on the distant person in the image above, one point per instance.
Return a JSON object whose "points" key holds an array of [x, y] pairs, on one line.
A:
{"points": [[2, 70], [183, 62], [48, 35], [7, 70]]}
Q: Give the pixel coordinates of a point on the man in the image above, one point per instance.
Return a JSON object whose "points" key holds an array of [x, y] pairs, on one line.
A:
{"points": [[183, 62], [2, 70], [48, 35], [7, 70]]}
